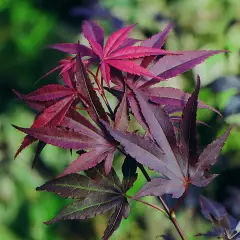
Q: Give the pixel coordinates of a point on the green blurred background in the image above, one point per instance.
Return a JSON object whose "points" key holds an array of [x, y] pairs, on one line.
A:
{"points": [[28, 26]]}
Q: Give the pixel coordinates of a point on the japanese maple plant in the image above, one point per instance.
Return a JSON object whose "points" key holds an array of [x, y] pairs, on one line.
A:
{"points": [[130, 70]]}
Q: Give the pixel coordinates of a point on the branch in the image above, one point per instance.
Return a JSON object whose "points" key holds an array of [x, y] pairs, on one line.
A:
{"points": [[171, 215]]}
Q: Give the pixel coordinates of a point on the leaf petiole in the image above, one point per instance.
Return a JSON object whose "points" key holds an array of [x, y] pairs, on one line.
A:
{"points": [[152, 206]]}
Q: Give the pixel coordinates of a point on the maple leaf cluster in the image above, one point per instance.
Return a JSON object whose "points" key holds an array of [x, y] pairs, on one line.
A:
{"points": [[131, 69]]}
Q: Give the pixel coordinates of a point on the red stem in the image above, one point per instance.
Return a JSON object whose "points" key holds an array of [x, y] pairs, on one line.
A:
{"points": [[171, 214], [101, 91], [151, 205]]}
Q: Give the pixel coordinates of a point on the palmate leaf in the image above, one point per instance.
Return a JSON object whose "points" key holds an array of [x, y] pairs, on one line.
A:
{"points": [[94, 194], [122, 114], [50, 126], [223, 224], [176, 160], [76, 132], [117, 53], [51, 117], [53, 102]]}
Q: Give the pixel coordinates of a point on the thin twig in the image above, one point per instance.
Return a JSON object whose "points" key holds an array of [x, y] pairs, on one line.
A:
{"points": [[171, 215], [101, 91], [151, 205]]}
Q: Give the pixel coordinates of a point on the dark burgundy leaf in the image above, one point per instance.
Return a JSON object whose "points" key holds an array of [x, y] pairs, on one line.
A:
{"points": [[158, 39], [129, 170], [95, 194], [105, 70], [54, 114], [49, 92], [36, 105], [74, 186], [40, 147], [164, 154], [209, 155], [188, 128], [109, 160], [99, 176], [51, 116], [62, 137], [74, 120], [128, 42], [212, 208], [89, 207], [144, 150], [94, 32], [211, 234], [161, 129], [122, 115], [84, 87], [137, 112], [171, 66], [178, 119], [115, 220], [67, 79], [73, 48], [172, 96], [224, 225], [88, 160], [155, 41], [161, 186]]}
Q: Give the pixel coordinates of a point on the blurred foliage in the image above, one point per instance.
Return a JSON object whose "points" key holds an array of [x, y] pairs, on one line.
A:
{"points": [[27, 26]]}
